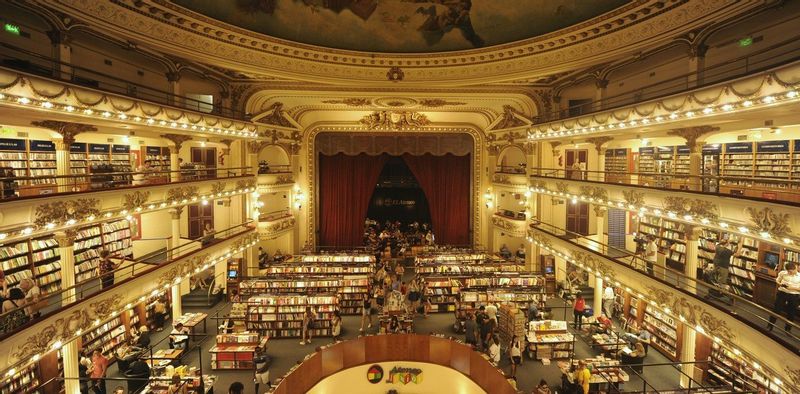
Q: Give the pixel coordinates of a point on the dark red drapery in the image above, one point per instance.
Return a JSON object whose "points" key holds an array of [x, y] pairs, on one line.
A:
{"points": [[446, 183], [346, 184]]}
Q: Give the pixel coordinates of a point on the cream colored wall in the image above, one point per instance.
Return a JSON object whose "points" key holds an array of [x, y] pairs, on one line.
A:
{"points": [[156, 224], [435, 379]]}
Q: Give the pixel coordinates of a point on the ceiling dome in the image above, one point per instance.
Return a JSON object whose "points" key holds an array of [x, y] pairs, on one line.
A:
{"points": [[402, 26]]}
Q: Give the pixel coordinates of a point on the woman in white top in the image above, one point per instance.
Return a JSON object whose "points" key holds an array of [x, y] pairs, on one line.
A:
{"points": [[494, 351], [788, 295], [515, 354]]}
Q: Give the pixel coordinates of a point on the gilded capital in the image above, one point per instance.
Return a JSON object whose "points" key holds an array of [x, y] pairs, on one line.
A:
{"points": [[65, 239], [693, 135], [67, 130], [175, 213], [177, 140]]}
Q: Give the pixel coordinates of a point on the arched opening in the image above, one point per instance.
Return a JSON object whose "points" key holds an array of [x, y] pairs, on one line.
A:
{"points": [[398, 195], [512, 160], [275, 158]]}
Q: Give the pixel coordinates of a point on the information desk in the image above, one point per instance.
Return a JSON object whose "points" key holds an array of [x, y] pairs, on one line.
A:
{"points": [[236, 351]]}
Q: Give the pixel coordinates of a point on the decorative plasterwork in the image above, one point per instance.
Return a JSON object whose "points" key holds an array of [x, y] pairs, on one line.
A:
{"points": [[770, 222], [392, 120], [633, 197], [311, 164], [350, 101], [694, 313], [67, 130], [598, 142], [218, 187], [509, 119], [514, 228], [182, 193], [626, 30], [48, 96], [63, 212], [135, 200], [508, 180], [274, 228], [276, 116], [691, 206], [692, 135], [255, 147], [365, 102], [245, 184], [592, 264], [177, 140], [83, 319]]}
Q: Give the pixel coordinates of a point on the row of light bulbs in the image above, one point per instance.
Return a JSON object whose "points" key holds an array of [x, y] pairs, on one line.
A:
{"points": [[26, 101], [698, 328], [642, 210], [114, 215], [58, 344], [556, 131]]}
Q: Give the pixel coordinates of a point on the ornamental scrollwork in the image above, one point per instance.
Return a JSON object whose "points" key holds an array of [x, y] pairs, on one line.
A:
{"points": [[562, 187], [182, 193], [594, 192], [633, 197], [245, 184], [218, 187], [393, 120], [137, 199], [588, 261], [61, 212], [691, 206], [769, 221], [693, 313], [279, 226]]}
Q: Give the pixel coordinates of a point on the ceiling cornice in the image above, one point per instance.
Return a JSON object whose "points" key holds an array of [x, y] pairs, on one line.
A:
{"points": [[629, 29]]}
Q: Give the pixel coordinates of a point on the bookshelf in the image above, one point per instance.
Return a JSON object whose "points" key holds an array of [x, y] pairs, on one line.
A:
{"points": [[670, 238], [281, 316], [350, 289], [88, 242], [156, 158], [511, 321], [664, 157], [726, 368], [443, 292], [647, 164], [549, 339], [317, 269], [107, 337], [473, 298], [121, 162], [30, 158], [24, 381], [236, 351], [46, 264], [78, 164], [736, 161], [333, 258], [117, 238], [618, 163], [795, 160], [666, 335], [681, 166], [15, 262]]}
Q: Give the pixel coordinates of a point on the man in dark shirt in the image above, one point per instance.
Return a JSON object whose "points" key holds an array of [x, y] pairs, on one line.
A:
{"points": [[481, 319], [722, 261], [471, 330]]}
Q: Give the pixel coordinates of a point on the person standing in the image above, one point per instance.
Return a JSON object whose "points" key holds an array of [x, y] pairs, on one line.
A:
{"points": [[336, 325], [208, 234], [651, 253], [722, 261], [98, 374], [366, 312], [494, 350], [262, 363], [582, 376], [515, 355], [788, 295], [308, 325], [608, 301], [106, 268], [160, 311], [471, 330], [578, 308]]}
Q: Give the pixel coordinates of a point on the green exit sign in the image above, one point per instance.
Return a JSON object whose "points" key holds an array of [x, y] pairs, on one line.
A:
{"points": [[746, 42], [11, 28]]}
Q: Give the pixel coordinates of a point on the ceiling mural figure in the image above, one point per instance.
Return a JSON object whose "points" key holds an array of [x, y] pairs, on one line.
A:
{"points": [[402, 26]]}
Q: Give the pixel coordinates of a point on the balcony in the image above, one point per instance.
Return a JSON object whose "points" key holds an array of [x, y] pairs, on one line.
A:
{"points": [[275, 177], [274, 224], [509, 222], [510, 180]]}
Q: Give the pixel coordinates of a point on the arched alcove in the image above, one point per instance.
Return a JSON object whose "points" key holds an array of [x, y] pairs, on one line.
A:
{"points": [[512, 159]]}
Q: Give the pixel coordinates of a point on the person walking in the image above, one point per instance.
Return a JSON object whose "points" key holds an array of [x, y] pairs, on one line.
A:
{"points": [[106, 269], [471, 330], [650, 253], [608, 301], [336, 325], [582, 376], [366, 312], [98, 374], [788, 295], [308, 325], [515, 355]]}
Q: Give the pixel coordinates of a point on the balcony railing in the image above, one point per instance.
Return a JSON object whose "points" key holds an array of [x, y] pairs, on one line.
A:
{"points": [[14, 188], [783, 52], [274, 169], [51, 303], [785, 190], [34, 63], [745, 310], [519, 169]]}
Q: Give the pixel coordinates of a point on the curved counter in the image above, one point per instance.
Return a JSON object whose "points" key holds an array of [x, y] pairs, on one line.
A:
{"points": [[399, 360]]}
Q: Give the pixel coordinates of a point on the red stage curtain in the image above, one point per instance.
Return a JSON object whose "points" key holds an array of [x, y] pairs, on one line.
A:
{"points": [[346, 184], [446, 183]]}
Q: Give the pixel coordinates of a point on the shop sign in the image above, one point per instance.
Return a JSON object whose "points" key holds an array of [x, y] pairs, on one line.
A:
{"points": [[375, 374], [99, 148], [78, 147], [405, 375], [12, 144], [43, 146]]}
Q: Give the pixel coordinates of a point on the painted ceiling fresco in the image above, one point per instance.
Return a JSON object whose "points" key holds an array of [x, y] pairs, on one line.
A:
{"points": [[402, 26]]}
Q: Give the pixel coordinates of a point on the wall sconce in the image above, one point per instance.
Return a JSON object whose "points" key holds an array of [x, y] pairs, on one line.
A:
{"points": [[489, 198], [298, 197]]}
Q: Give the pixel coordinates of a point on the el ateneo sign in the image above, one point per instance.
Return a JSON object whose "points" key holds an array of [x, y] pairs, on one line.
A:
{"points": [[400, 375]]}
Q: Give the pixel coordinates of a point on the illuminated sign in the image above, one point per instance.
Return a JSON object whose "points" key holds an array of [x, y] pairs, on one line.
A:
{"points": [[746, 42], [11, 28], [405, 375], [375, 374]]}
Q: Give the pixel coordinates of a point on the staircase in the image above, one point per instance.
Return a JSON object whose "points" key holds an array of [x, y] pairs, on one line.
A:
{"points": [[198, 298]]}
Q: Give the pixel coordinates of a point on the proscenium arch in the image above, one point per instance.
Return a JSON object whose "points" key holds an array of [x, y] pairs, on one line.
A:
{"points": [[310, 163]]}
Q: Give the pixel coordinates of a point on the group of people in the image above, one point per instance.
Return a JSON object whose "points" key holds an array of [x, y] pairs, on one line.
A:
{"points": [[8, 182], [388, 280], [519, 255], [395, 236], [19, 303], [264, 259]]}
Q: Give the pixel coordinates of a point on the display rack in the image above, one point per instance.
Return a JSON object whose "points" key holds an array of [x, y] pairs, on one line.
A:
{"points": [[727, 369], [511, 321], [281, 316], [107, 337], [46, 264], [236, 351], [549, 339], [443, 292]]}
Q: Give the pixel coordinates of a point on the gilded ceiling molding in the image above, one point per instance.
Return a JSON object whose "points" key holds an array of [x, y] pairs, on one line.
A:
{"points": [[67, 130], [276, 116], [438, 102], [63, 212], [509, 119], [393, 120], [350, 101], [627, 29], [691, 206], [255, 147], [135, 200], [598, 142], [770, 222]]}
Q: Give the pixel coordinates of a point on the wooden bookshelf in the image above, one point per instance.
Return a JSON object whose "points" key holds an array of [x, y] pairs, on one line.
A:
{"points": [[30, 158], [236, 351], [666, 333], [681, 166], [281, 316], [157, 158], [618, 164], [728, 369], [350, 289]]}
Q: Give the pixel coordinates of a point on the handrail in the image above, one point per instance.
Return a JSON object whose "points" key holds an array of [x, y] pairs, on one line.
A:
{"points": [[740, 306], [709, 76], [134, 268], [26, 61], [80, 183], [704, 184]]}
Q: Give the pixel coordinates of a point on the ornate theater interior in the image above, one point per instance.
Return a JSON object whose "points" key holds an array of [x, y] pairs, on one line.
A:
{"points": [[399, 196]]}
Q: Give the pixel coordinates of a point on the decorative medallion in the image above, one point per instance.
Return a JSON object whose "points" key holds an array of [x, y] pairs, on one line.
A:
{"points": [[137, 199], [395, 74], [395, 102], [61, 212], [391, 120], [769, 221], [693, 207]]}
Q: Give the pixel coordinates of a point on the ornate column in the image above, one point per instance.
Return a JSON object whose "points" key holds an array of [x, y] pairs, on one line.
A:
{"points": [[69, 359], [697, 64], [601, 157], [688, 356], [62, 53], [695, 139], [253, 149], [177, 308], [600, 213], [224, 99], [66, 251], [692, 247], [173, 79], [600, 93], [68, 131], [597, 301], [175, 240], [174, 151]]}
